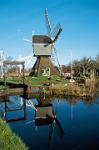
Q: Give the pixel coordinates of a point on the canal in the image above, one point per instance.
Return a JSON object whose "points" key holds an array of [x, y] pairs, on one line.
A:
{"points": [[53, 123]]}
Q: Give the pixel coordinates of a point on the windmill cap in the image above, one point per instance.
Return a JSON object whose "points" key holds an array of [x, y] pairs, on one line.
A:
{"points": [[41, 39]]}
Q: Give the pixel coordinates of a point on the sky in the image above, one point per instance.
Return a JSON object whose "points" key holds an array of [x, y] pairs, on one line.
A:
{"points": [[79, 20]]}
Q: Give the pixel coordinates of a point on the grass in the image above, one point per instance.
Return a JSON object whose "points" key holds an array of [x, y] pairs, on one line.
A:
{"points": [[2, 87], [39, 81], [8, 140], [36, 81], [15, 80]]}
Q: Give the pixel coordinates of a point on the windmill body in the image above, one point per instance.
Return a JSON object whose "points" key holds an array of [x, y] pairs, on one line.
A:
{"points": [[42, 45], [42, 49]]}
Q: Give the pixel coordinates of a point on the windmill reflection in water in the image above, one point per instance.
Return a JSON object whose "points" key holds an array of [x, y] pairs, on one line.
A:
{"points": [[46, 116]]}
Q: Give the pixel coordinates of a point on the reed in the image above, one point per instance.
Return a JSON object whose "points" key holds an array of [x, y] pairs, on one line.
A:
{"points": [[72, 89]]}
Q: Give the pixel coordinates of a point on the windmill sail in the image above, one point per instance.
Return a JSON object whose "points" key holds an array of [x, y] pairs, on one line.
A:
{"points": [[47, 23], [56, 32]]}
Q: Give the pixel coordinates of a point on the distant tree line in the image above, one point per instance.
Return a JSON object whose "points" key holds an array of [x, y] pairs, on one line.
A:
{"points": [[83, 67]]}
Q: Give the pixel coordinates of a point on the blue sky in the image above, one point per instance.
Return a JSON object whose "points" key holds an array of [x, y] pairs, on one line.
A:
{"points": [[79, 20]]}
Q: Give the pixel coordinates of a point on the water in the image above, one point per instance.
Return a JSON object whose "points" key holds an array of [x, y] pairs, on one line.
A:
{"points": [[71, 124]]}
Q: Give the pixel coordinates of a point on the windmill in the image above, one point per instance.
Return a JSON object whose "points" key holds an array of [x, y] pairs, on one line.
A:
{"points": [[42, 49]]}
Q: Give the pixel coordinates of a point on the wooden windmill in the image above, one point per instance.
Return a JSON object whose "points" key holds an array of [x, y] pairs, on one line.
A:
{"points": [[42, 48]]}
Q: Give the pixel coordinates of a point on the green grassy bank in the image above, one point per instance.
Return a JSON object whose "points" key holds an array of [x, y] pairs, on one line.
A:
{"points": [[8, 140], [35, 81], [60, 86]]}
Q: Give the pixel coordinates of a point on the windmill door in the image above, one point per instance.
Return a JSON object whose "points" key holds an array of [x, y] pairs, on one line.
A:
{"points": [[46, 71]]}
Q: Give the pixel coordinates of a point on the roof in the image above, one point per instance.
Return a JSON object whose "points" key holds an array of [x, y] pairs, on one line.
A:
{"points": [[41, 39]]}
